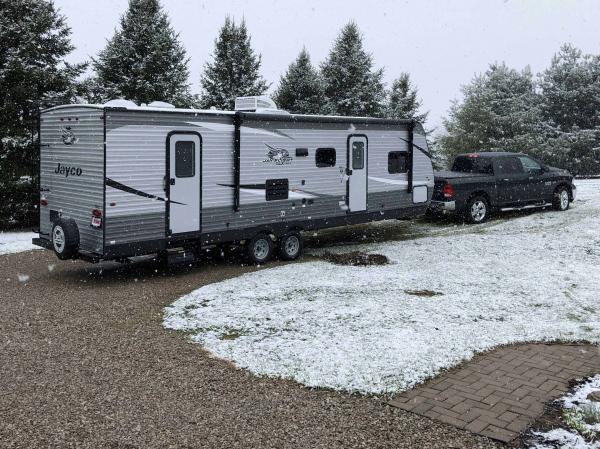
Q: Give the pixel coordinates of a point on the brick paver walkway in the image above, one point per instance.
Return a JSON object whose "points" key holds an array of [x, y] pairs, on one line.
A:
{"points": [[498, 394]]}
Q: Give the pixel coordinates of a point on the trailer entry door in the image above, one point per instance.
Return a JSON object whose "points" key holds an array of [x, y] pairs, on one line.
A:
{"points": [[185, 150], [357, 173]]}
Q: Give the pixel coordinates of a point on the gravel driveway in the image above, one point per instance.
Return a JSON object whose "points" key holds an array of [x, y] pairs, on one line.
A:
{"points": [[86, 363]]}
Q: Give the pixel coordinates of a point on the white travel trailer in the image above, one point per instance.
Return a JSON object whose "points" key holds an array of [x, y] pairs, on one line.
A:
{"points": [[119, 180]]}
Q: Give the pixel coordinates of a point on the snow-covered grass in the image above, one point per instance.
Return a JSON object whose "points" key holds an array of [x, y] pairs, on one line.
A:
{"points": [[582, 417], [563, 439], [15, 242], [526, 278]]}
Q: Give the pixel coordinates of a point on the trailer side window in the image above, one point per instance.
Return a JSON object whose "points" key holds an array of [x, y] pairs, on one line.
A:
{"points": [[185, 159], [397, 162], [325, 157], [276, 189]]}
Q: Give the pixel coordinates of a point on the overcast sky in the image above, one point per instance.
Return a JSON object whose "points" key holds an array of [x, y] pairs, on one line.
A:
{"points": [[442, 44]]}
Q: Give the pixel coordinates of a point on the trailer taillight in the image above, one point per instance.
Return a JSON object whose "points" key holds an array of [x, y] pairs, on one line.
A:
{"points": [[96, 218], [448, 191], [43, 202]]}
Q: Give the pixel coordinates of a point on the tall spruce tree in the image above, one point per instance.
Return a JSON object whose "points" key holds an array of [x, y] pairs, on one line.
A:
{"points": [[499, 112], [144, 60], [301, 90], [402, 100], [571, 90], [34, 41], [352, 87], [570, 108], [234, 70]]}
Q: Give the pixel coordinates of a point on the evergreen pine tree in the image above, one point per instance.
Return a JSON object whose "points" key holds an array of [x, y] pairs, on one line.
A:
{"points": [[234, 70], [352, 88], [570, 103], [300, 90], [34, 41], [402, 100], [499, 112], [571, 90], [144, 60]]}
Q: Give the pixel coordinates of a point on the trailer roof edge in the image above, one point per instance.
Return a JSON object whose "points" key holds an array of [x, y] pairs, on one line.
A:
{"points": [[260, 116], [324, 118]]}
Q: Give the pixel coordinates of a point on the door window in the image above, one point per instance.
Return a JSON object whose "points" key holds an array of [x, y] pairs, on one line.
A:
{"points": [[358, 155], [510, 165], [530, 165], [185, 159]]}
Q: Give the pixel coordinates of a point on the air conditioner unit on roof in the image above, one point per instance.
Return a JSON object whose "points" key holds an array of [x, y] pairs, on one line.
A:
{"points": [[254, 103]]}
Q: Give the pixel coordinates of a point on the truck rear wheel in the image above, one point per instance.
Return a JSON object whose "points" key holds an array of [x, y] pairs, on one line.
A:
{"points": [[260, 248], [65, 238], [477, 210], [291, 246]]}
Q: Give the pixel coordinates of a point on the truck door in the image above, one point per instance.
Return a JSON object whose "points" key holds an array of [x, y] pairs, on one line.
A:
{"points": [[356, 170], [185, 150], [512, 181], [535, 184]]}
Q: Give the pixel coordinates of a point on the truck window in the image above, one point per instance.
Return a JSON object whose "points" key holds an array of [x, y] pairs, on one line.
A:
{"points": [[509, 165], [530, 165], [470, 164]]}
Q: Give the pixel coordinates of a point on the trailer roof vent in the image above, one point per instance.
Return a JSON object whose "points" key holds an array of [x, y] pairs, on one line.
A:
{"points": [[161, 104], [254, 103], [120, 103]]}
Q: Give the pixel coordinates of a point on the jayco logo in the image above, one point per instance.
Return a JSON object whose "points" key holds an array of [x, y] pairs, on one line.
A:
{"points": [[67, 171], [277, 156], [68, 137]]}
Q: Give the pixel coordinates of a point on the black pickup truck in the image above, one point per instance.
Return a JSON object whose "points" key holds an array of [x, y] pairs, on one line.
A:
{"points": [[480, 183]]}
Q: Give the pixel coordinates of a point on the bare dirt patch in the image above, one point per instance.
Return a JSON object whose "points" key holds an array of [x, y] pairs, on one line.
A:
{"points": [[427, 293], [356, 258]]}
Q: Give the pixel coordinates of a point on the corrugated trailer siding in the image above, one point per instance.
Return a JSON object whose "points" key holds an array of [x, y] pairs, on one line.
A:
{"points": [[217, 172], [73, 196], [328, 185], [136, 157], [423, 169]]}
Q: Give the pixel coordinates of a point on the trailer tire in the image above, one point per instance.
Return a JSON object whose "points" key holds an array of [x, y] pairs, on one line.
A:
{"points": [[260, 248], [291, 246], [65, 238]]}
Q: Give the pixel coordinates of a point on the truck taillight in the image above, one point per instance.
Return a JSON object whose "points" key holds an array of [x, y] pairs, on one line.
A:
{"points": [[96, 218], [448, 191], [43, 202]]}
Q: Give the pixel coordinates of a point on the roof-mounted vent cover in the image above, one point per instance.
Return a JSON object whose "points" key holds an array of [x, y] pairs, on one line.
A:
{"points": [[254, 103], [120, 103], [161, 104]]}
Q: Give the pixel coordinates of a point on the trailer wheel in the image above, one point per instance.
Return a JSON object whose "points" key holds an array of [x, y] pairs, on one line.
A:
{"points": [[260, 248], [291, 246], [65, 238]]}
